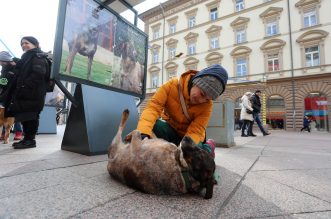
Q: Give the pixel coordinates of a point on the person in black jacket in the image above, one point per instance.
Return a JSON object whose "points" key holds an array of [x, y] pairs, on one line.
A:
{"points": [[256, 104], [28, 93], [7, 78]]}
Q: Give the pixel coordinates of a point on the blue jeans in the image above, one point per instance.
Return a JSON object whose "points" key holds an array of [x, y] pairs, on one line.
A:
{"points": [[17, 128], [256, 118]]}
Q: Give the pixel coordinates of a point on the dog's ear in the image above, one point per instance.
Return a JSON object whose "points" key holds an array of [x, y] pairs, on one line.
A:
{"points": [[187, 143], [180, 158]]}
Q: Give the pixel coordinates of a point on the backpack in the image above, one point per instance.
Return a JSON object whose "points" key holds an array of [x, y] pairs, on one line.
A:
{"points": [[50, 83]]}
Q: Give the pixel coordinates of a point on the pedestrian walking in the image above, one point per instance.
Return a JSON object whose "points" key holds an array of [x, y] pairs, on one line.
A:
{"points": [[256, 104], [246, 114], [306, 123]]}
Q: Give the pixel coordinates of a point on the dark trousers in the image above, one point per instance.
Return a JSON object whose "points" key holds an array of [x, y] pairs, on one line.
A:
{"points": [[256, 118], [306, 127], [163, 130], [30, 128]]}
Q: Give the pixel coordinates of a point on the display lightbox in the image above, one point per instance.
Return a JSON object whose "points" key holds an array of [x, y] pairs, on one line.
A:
{"points": [[96, 46]]}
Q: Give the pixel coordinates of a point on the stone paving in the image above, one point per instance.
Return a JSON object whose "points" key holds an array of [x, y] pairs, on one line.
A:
{"points": [[283, 175]]}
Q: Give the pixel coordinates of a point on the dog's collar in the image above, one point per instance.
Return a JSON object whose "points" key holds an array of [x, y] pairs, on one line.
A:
{"points": [[185, 174]]}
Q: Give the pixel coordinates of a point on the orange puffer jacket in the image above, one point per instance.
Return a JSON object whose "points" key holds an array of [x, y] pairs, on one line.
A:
{"points": [[165, 104]]}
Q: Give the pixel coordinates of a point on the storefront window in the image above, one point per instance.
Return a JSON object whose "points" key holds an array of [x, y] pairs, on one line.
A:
{"points": [[316, 108], [276, 112]]}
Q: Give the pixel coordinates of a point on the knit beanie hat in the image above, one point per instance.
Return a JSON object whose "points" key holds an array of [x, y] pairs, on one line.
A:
{"points": [[31, 39], [210, 85], [5, 56], [212, 80]]}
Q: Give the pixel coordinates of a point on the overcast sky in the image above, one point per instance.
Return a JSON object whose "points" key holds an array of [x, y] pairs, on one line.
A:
{"points": [[37, 18]]}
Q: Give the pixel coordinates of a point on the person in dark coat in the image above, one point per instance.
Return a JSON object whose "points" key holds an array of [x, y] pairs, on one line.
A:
{"points": [[306, 124], [28, 94], [256, 104], [7, 79], [8, 73]]}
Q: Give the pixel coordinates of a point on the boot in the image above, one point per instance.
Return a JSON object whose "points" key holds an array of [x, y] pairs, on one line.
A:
{"points": [[18, 136], [2, 137], [25, 143]]}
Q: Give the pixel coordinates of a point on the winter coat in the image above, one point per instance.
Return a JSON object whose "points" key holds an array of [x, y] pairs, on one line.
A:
{"points": [[256, 103], [306, 121], [28, 94], [165, 104], [7, 79], [246, 104]]}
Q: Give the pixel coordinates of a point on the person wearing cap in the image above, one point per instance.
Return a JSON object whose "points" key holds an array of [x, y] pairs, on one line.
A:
{"points": [[8, 73], [164, 114], [256, 104], [7, 78], [28, 93]]}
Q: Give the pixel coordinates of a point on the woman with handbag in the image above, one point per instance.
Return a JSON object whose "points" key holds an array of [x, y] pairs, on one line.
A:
{"points": [[246, 114], [183, 107]]}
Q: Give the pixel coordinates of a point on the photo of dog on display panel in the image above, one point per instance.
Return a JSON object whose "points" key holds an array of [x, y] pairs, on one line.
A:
{"points": [[101, 48]]}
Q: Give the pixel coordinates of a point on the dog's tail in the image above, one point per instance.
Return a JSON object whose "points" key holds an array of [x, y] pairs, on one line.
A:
{"points": [[118, 137]]}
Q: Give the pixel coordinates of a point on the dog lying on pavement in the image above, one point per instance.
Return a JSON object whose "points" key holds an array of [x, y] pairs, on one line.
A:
{"points": [[7, 123], [157, 166]]}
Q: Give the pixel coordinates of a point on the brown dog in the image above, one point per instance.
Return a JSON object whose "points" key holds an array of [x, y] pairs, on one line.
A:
{"points": [[7, 123], [156, 166], [132, 73], [85, 43]]}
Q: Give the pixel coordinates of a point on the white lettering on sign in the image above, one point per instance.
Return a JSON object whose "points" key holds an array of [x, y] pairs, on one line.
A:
{"points": [[322, 102]]}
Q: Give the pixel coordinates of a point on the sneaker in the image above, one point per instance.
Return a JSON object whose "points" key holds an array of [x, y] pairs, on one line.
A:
{"points": [[25, 144], [18, 136], [211, 143]]}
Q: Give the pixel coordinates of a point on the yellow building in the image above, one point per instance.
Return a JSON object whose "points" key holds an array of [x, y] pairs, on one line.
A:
{"points": [[282, 47]]}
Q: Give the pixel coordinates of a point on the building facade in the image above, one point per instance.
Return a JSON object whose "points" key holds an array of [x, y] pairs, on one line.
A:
{"points": [[281, 47]]}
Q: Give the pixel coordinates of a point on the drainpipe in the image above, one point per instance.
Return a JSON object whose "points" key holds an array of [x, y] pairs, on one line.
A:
{"points": [[162, 63], [291, 57]]}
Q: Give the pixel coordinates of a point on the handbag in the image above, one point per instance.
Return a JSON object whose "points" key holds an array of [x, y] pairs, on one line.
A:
{"points": [[249, 111]]}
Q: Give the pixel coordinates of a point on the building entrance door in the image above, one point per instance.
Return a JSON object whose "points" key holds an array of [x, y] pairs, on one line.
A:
{"points": [[276, 112]]}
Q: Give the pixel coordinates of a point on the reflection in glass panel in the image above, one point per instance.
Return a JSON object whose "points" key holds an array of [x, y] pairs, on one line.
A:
{"points": [[316, 108]]}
